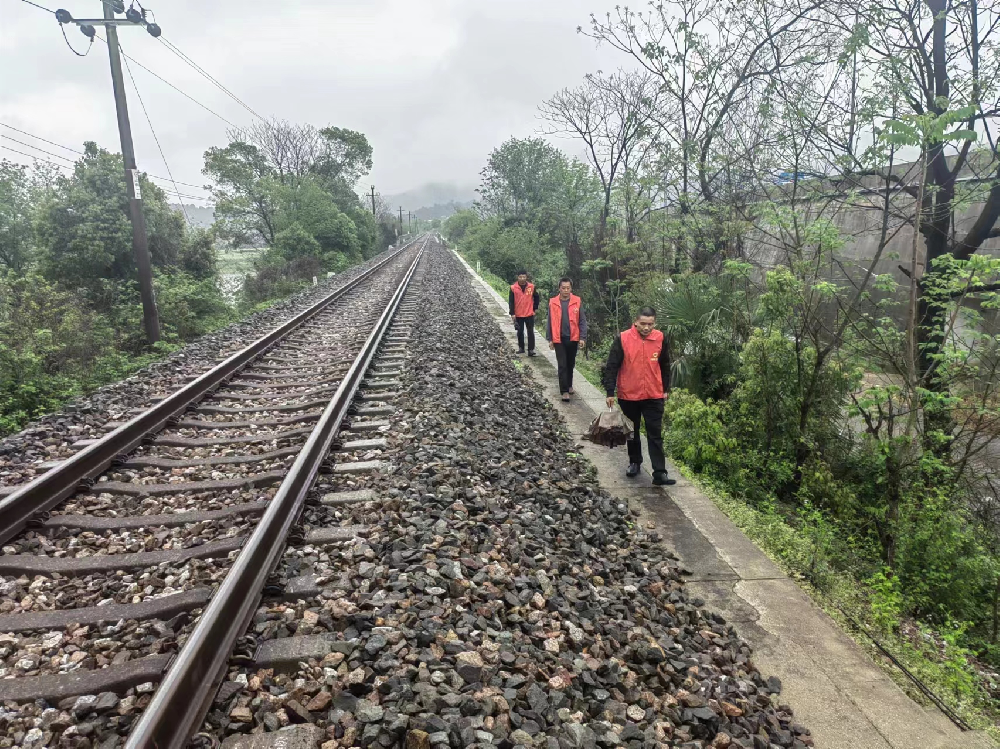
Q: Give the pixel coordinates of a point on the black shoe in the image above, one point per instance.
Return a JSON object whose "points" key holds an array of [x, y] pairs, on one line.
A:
{"points": [[660, 478], [532, 353], [520, 351], [633, 470]]}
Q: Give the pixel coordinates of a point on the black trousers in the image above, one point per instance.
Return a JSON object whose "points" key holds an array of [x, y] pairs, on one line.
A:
{"points": [[521, 323], [650, 411], [566, 359]]}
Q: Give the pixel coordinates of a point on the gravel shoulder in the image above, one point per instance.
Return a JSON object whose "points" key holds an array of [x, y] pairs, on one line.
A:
{"points": [[845, 698], [501, 597]]}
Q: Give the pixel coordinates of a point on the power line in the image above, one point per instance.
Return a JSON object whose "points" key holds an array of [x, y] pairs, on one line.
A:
{"points": [[178, 90], [38, 6], [36, 158], [38, 137], [175, 88], [73, 150], [90, 46], [66, 166], [155, 138], [208, 76], [49, 153]]}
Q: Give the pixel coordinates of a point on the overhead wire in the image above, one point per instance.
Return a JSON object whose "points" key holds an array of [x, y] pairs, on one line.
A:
{"points": [[74, 150], [149, 122], [176, 50], [49, 153], [67, 166], [175, 88], [63, 30], [38, 6], [208, 76], [38, 137], [36, 158], [90, 46]]}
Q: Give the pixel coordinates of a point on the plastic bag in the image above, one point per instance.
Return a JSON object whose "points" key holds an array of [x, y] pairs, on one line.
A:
{"points": [[610, 428]]}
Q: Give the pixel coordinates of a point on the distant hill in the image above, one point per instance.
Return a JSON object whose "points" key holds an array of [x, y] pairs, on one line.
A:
{"points": [[440, 210], [202, 216], [435, 199]]}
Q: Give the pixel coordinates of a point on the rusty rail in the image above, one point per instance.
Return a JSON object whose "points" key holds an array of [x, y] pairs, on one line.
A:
{"points": [[186, 693]]}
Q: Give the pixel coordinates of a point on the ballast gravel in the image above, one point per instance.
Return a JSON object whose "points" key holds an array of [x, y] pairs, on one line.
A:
{"points": [[502, 598]]}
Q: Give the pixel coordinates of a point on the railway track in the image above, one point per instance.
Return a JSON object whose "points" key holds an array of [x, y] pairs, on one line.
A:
{"points": [[139, 561]]}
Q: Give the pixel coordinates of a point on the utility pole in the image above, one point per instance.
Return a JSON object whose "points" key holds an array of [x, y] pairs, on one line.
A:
{"points": [[373, 202], [409, 221], [400, 219], [140, 244]]}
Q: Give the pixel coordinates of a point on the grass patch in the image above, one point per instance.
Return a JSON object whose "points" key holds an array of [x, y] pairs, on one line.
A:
{"points": [[591, 369], [237, 261], [932, 656]]}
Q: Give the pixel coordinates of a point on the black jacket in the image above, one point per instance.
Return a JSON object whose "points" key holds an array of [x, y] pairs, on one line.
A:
{"points": [[617, 355], [510, 300]]}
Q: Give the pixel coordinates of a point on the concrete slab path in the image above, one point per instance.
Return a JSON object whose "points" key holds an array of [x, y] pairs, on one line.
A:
{"points": [[833, 686]]}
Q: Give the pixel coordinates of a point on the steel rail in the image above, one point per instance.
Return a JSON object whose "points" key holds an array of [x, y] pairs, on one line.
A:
{"points": [[184, 697], [52, 487]]}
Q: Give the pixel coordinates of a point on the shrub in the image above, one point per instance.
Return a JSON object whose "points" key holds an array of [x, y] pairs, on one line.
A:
{"points": [[277, 280], [50, 341], [189, 307], [697, 436]]}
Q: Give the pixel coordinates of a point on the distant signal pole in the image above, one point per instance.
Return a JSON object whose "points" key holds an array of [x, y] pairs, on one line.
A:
{"points": [[140, 243], [373, 202]]}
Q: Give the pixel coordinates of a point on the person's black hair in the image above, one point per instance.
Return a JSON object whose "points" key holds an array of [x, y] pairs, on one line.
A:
{"points": [[565, 279], [646, 312], [521, 273]]}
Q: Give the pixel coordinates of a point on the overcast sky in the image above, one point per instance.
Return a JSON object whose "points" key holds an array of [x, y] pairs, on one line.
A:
{"points": [[434, 84]]}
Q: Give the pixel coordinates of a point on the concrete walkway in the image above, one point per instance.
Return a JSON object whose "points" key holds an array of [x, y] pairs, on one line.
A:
{"points": [[835, 689]]}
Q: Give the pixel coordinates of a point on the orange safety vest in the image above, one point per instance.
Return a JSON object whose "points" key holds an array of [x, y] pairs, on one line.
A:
{"points": [[555, 315], [524, 301], [639, 377]]}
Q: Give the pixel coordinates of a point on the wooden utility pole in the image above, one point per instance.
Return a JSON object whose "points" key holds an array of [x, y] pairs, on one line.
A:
{"points": [[373, 202], [400, 219], [140, 244]]}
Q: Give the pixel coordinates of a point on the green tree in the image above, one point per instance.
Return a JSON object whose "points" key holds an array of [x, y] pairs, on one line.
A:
{"points": [[275, 174], [518, 179], [16, 216], [346, 156], [304, 204], [198, 256], [458, 225]]}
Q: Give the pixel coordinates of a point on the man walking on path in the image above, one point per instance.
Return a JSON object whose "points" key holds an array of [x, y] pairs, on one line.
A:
{"points": [[523, 303], [639, 366], [566, 331]]}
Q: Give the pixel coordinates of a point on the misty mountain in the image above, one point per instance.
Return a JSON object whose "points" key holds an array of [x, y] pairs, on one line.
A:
{"points": [[435, 199], [441, 210], [201, 216]]}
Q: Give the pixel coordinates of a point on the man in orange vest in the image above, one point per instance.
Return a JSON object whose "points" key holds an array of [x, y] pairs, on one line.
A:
{"points": [[523, 302], [639, 366], [566, 331]]}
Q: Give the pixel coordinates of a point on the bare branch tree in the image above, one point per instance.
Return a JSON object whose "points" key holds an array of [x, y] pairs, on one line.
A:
{"points": [[611, 114]]}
